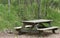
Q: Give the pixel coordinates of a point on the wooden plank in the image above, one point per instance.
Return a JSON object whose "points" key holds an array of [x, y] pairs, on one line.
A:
{"points": [[49, 28], [37, 21], [17, 27], [27, 26]]}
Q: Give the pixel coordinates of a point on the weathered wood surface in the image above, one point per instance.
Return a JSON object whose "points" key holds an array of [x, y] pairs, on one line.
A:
{"points": [[37, 21], [49, 28], [27, 26]]}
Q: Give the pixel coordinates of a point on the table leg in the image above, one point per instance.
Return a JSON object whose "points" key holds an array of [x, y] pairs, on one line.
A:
{"points": [[36, 26], [31, 29], [50, 24], [53, 31], [20, 31]]}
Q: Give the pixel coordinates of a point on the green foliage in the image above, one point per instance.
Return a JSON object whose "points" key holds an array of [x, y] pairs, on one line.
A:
{"points": [[23, 10]]}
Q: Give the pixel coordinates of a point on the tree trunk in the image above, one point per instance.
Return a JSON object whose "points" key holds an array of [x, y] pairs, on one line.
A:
{"points": [[39, 14], [9, 6]]}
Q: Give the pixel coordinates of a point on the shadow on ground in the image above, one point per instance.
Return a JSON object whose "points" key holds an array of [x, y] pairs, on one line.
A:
{"points": [[32, 34]]}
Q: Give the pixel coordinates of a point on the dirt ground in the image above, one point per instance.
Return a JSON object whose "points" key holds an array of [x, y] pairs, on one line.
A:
{"points": [[32, 35]]}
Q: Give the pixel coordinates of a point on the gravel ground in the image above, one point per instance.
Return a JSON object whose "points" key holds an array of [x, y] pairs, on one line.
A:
{"points": [[32, 35]]}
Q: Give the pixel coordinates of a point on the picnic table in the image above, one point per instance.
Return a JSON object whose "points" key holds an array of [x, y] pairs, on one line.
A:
{"points": [[35, 23]]}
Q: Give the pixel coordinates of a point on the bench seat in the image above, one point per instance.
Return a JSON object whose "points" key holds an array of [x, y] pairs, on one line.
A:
{"points": [[49, 28], [17, 27], [27, 26]]}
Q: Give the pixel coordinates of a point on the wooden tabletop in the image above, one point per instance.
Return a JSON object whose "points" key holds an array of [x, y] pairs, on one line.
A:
{"points": [[37, 21]]}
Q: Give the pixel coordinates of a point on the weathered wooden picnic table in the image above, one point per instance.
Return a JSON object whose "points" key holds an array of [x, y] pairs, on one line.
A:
{"points": [[34, 23], [39, 22]]}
